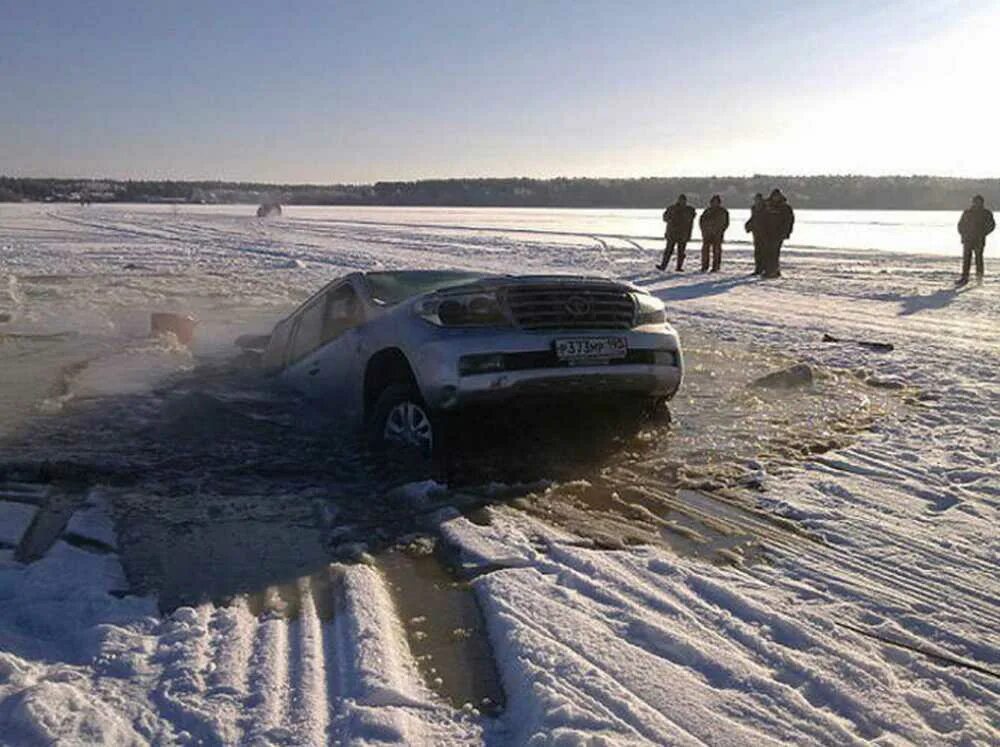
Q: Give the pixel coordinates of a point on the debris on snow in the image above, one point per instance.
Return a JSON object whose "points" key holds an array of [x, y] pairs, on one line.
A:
{"points": [[800, 374]]}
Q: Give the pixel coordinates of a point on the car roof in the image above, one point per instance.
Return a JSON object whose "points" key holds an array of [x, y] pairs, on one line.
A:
{"points": [[494, 275], [414, 273]]}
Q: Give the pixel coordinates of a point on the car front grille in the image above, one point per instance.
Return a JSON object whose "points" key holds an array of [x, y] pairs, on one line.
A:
{"points": [[570, 306]]}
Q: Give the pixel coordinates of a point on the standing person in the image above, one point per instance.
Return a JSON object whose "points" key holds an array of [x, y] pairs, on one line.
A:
{"points": [[679, 218], [713, 223], [975, 225], [752, 226], [777, 220]]}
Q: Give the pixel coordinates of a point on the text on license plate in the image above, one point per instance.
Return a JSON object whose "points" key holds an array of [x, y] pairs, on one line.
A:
{"points": [[596, 348]]}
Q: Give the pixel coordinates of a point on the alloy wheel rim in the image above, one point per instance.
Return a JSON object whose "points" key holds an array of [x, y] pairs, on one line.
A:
{"points": [[408, 424]]}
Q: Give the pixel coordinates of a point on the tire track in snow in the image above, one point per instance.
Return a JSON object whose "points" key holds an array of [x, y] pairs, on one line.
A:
{"points": [[521, 617], [259, 679], [182, 651], [974, 581], [232, 629], [778, 308], [311, 696], [739, 633], [874, 578], [269, 689], [235, 238], [319, 661], [373, 680], [224, 243], [783, 659]]}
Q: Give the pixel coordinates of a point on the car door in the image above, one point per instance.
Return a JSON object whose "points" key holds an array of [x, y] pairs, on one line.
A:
{"points": [[329, 360], [304, 343], [276, 354]]}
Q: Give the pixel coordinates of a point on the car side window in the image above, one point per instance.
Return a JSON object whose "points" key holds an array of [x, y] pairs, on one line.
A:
{"points": [[308, 331], [343, 312]]}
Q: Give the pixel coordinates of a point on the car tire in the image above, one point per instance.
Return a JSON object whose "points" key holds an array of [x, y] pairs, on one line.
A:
{"points": [[401, 421], [658, 411]]}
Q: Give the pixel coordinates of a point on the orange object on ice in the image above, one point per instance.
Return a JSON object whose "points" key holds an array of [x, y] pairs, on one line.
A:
{"points": [[181, 325]]}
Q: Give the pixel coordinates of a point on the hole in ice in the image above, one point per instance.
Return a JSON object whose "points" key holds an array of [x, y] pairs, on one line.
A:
{"points": [[227, 484], [691, 486]]}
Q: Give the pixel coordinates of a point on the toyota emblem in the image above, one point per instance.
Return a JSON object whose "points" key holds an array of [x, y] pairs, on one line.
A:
{"points": [[578, 306]]}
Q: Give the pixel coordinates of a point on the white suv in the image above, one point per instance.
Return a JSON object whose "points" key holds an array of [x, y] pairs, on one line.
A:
{"points": [[394, 351]]}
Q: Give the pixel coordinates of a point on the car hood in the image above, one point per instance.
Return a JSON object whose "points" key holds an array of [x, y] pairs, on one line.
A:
{"points": [[497, 282]]}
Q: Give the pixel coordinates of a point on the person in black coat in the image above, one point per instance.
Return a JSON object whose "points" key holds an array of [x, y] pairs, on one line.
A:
{"points": [[751, 227], [975, 225], [713, 223], [679, 218], [775, 224]]}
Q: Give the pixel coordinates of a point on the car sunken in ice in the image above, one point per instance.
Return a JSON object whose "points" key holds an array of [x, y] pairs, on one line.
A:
{"points": [[397, 352]]}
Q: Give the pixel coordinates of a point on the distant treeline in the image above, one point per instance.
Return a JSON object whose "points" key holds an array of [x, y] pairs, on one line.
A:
{"points": [[832, 192]]}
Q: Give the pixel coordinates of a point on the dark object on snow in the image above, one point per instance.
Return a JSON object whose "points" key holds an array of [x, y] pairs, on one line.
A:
{"points": [[753, 226], [4, 336], [787, 378], [679, 218], [773, 224], [268, 209], [975, 225], [4, 316], [253, 343], [881, 347], [714, 222], [882, 383], [161, 323], [46, 527], [977, 222]]}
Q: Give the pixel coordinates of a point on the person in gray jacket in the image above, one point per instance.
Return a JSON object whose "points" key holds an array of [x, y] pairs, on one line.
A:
{"points": [[713, 223]]}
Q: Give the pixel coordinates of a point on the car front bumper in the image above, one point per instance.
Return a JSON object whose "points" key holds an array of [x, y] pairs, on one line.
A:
{"points": [[443, 386], [641, 379]]}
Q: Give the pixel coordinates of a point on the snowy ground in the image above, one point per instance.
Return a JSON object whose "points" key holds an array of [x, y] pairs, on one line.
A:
{"points": [[170, 574]]}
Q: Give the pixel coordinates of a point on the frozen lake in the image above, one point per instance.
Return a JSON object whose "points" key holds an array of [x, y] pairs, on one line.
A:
{"points": [[910, 231], [901, 231], [192, 554]]}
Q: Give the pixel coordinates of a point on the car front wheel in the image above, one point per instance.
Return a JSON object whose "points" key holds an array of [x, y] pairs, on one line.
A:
{"points": [[401, 420]]}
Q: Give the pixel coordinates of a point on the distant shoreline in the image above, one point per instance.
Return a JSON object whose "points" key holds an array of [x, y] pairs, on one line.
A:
{"points": [[807, 192]]}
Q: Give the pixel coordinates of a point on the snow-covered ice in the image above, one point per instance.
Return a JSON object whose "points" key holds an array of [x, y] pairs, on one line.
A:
{"points": [[869, 613]]}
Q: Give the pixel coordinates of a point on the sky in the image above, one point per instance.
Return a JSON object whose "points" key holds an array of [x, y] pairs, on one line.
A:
{"points": [[331, 91]]}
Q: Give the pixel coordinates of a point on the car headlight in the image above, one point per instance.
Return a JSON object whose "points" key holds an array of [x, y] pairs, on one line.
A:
{"points": [[648, 310], [462, 310]]}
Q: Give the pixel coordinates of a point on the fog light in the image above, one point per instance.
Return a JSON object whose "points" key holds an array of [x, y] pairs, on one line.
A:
{"points": [[449, 397], [477, 364]]}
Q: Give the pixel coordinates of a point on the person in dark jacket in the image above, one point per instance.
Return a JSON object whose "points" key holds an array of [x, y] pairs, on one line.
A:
{"points": [[776, 222], [679, 218], [975, 225], [713, 223], [751, 228]]}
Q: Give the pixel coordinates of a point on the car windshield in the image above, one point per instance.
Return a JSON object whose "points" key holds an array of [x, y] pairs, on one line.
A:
{"points": [[390, 288]]}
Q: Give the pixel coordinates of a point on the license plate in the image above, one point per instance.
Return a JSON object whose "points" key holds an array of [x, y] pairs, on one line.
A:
{"points": [[591, 348]]}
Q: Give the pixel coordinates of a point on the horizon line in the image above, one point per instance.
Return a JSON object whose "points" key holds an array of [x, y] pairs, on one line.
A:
{"points": [[499, 178]]}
